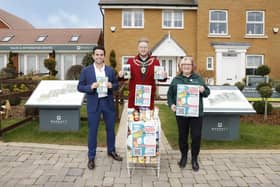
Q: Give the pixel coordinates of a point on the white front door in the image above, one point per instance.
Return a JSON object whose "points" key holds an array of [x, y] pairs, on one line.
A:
{"points": [[170, 66], [231, 68]]}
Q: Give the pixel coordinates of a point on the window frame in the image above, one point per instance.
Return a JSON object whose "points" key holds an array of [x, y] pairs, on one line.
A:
{"points": [[133, 12], [255, 22], [212, 63], [226, 21], [256, 55], [41, 38], [253, 68], [7, 38], [172, 19], [74, 38]]}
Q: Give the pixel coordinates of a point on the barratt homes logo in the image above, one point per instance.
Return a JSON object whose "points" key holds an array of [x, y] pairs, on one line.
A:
{"points": [[220, 127], [59, 120]]}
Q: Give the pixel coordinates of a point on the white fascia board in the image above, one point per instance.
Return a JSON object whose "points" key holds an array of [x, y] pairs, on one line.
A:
{"points": [[149, 7], [226, 47], [168, 48]]}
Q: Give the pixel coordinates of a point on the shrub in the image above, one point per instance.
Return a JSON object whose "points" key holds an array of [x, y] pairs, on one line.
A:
{"points": [[8, 72], [74, 72], [263, 70], [240, 85], [6, 91], [50, 64], [15, 88], [23, 88], [87, 60], [265, 91], [277, 88], [226, 84], [15, 100], [262, 85], [259, 106], [244, 80]]}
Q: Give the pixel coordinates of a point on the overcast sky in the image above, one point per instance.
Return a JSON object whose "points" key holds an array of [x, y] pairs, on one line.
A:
{"points": [[56, 13]]}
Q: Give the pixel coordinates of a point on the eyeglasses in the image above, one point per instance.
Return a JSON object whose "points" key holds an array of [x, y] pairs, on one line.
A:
{"points": [[186, 64], [142, 47]]}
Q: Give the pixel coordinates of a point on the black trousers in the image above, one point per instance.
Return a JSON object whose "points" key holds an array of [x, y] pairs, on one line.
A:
{"points": [[194, 126]]}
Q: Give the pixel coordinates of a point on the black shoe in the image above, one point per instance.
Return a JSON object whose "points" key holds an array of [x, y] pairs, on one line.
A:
{"points": [[195, 165], [115, 156], [91, 164], [183, 162]]}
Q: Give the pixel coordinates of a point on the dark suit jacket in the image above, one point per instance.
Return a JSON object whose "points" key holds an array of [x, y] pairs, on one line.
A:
{"points": [[88, 77]]}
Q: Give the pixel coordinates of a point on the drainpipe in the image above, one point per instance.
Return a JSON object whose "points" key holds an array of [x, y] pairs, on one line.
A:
{"points": [[102, 38]]}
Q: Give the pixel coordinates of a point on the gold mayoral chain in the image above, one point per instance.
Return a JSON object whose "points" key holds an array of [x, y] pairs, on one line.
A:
{"points": [[143, 65]]}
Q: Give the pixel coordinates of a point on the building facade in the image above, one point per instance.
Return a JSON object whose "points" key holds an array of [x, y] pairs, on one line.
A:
{"points": [[227, 39], [31, 46]]}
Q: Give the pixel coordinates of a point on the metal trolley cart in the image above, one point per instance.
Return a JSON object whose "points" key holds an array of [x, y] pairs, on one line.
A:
{"points": [[143, 138]]}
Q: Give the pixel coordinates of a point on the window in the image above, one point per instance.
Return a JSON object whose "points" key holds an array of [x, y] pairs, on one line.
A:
{"points": [[41, 38], [210, 63], [132, 19], [31, 64], [7, 38], [42, 68], [2, 61], [68, 62], [170, 67], [255, 22], [218, 22], [74, 38], [252, 63], [172, 19], [79, 58]]}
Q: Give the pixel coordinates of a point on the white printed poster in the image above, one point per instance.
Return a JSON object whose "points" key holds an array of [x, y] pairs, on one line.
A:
{"points": [[102, 85], [143, 139], [143, 95], [159, 73], [187, 103], [126, 71]]}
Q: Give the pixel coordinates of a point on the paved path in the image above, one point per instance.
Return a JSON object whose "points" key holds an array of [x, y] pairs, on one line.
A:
{"points": [[25, 164]]}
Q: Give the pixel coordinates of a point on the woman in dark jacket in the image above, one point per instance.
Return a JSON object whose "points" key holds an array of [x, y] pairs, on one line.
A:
{"points": [[194, 124]]}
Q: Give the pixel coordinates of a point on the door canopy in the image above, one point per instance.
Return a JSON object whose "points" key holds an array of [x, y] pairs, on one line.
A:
{"points": [[168, 47]]}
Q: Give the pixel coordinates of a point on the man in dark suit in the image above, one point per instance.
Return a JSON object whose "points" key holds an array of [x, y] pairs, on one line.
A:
{"points": [[98, 81]]}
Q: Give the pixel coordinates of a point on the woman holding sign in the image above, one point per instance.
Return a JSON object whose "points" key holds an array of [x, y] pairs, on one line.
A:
{"points": [[185, 99]]}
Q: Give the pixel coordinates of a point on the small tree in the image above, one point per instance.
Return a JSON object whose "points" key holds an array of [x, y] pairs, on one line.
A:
{"points": [[87, 60], [10, 70], [50, 64], [240, 85], [264, 89], [263, 70], [113, 61], [52, 54], [11, 61], [265, 93], [74, 72]]}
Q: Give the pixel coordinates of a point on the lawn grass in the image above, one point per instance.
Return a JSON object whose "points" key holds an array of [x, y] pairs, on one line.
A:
{"points": [[252, 136], [30, 132], [7, 122]]}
